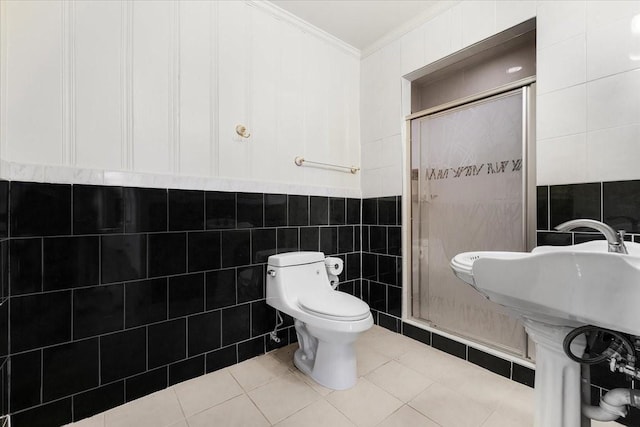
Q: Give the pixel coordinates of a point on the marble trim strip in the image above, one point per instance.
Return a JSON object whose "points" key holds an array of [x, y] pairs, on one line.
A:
{"points": [[12, 171]]}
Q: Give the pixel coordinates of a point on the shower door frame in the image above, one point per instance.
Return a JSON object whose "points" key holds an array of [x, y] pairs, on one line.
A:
{"points": [[410, 277]]}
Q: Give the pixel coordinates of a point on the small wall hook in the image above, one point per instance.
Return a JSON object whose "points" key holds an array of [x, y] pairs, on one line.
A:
{"points": [[242, 131]]}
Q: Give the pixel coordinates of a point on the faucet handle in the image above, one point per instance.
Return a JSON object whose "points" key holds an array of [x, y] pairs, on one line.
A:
{"points": [[621, 234]]}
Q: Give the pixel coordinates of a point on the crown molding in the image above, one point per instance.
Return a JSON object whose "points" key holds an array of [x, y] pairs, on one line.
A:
{"points": [[305, 26], [395, 34]]}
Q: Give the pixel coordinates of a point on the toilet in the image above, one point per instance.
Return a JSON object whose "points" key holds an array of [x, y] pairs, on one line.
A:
{"points": [[327, 321]]}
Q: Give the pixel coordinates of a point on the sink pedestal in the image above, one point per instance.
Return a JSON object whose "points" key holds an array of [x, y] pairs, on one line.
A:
{"points": [[557, 388]]}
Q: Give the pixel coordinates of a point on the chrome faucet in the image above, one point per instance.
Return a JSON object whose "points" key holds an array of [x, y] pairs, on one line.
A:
{"points": [[615, 239]]}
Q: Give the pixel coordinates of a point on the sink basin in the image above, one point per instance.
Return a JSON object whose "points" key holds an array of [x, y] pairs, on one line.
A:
{"points": [[560, 285]]}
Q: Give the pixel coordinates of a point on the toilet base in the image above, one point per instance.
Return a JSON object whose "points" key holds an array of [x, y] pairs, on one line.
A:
{"points": [[332, 364]]}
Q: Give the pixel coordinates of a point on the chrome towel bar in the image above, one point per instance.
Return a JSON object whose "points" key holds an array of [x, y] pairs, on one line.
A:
{"points": [[301, 160]]}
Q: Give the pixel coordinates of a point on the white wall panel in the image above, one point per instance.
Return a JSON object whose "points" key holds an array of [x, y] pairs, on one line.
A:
{"points": [[34, 83], [152, 61], [316, 135], [234, 59], [98, 84], [198, 130], [263, 83], [128, 88], [290, 97]]}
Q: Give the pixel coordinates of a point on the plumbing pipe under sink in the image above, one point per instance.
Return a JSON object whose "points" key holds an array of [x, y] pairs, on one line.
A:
{"points": [[613, 405]]}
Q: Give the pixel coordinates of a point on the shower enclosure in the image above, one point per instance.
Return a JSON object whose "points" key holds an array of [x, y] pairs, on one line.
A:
{"points": [[469, 190]]}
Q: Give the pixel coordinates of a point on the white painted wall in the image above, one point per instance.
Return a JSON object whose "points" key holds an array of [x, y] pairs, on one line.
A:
{"points": [[117, 89], [588, 101]]}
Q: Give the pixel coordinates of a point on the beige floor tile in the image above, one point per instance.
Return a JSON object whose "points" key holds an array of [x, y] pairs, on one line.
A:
{"points": [[159, 409], [407, 417], [318, 414], [485, 387], [449, 408], [95, 421], [282, 397], [285, 355], [519, 404], [392, 346], [257, 371], [437, 365], [365, 404], [320, 389], [368, 359], [182, 423], [498, 419], [206, 391], [237, 412], [402, 382]]}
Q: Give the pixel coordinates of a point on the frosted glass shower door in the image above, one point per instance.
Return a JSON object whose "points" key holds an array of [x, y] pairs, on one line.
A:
{"points": [[468, 196]]}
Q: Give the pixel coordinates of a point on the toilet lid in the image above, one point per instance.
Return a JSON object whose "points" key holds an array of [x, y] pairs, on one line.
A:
{"points": [[334, 305]]}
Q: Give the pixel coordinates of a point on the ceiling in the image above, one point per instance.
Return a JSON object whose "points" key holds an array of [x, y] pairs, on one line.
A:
{"points": [[359, 23]]}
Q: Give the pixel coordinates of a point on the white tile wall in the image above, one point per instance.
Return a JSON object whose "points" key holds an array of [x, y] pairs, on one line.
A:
{"points": [[562, 112], [587, 82], [614, 101], [613, 48], [560, 20], [562, 160], [562, 65], [613, 153]]}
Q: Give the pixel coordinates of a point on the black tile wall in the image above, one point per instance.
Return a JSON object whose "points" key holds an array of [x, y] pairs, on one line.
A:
{"points": [[220, 288], [69, 368], [25, 266], [27, 201], [146, 302], [275, 210], [186, 294], [123, 354], [98, 400], [250, 210], [166, 342], [221, 210], [337, 211], [167, 254], [123, 257], [98, 310], [97, 209], [145, 209], [318, 210], [382, 259], [298, 210], [568, 202], [186, 369], [186, 210], [204, 249], [620, 202], [146, 383], [70, 262]]}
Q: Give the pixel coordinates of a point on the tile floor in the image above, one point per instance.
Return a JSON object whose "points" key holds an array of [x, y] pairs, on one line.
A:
{"points": [[401, 383]]}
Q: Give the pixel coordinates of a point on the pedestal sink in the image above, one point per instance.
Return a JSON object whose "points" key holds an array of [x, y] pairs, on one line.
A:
{"points": [[555, 289]]}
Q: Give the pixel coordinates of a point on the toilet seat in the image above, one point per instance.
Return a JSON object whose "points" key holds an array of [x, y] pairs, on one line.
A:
{"points": [[334, 305]]}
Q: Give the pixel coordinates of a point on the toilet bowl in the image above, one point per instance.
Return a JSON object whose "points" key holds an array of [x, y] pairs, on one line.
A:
{"points": [[327, 321]]}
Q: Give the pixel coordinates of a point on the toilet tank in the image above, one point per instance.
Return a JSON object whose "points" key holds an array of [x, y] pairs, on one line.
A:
{"points": [[291, 274]]}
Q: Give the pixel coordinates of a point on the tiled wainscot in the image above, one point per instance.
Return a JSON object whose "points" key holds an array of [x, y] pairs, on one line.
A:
{"points": [[119, 292]]}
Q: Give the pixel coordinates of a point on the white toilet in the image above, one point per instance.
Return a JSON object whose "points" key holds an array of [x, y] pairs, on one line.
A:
{"points": [[327, 321]]}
